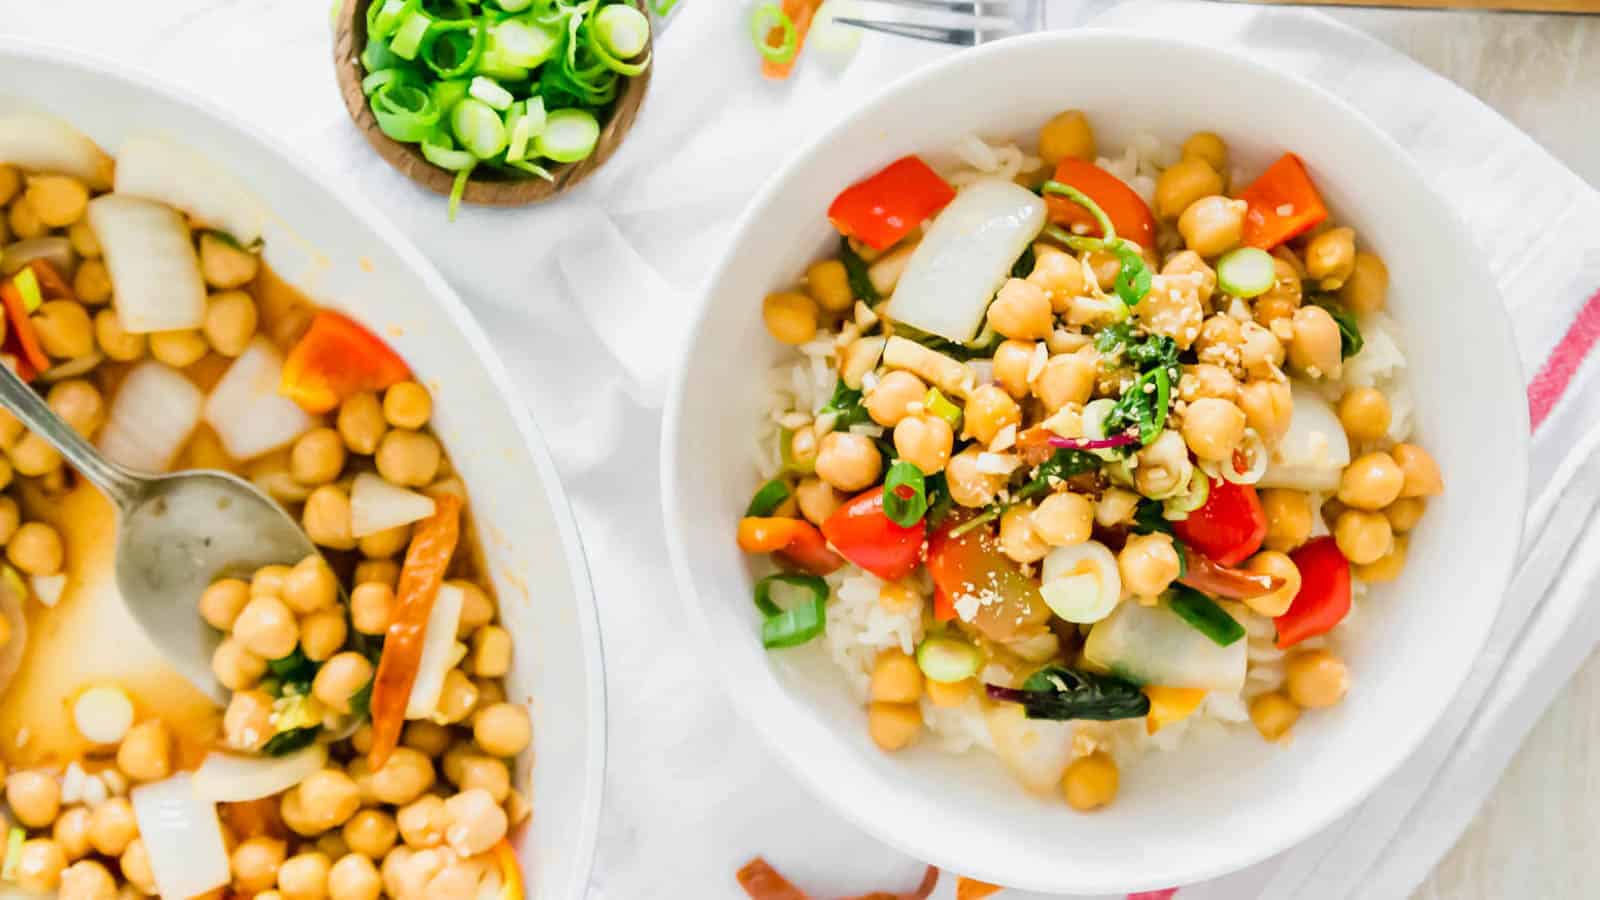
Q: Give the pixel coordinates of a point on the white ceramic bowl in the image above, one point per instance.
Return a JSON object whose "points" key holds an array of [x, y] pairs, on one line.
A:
{"points": [[336, 248], [1180, 817]]}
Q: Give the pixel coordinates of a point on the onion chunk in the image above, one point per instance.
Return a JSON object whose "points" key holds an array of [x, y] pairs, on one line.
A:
{"points": [[245, 408], [186, 179], [438, 646], [153, 266], [231, 778], [376, 505], [151, 418], [35, 142], [183, 837]]}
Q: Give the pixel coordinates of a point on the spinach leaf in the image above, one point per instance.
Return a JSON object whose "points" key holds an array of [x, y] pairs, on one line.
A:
{"points": [[846, 404], [939, 500], [1204, 615], [1023, 267], [1143, 405], [981, 347], [1149, 518], [1143, 352], [856, 271], [294, 672], [1059, 467], [286, 742], [1059, 693], [361, 701]]}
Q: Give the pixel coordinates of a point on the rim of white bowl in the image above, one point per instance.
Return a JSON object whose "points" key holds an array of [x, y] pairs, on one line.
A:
{"points": [[588, 617], [797, 753]]}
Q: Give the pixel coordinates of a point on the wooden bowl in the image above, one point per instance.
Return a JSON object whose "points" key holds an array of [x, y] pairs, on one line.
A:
{"points": [[350, 39]]}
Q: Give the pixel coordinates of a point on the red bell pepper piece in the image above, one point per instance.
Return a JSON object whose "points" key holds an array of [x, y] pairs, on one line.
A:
{"points": [[1222, 581], [1324, 597], [1230, 527], [1128, 212], [335, 360], [21, 340], [882, 209], [505, 857], [864, 534], [796, 541], [1283, 204], [972, 565]]}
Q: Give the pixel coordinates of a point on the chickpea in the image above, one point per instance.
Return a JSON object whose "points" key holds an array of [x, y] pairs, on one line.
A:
{"points": [[1149, 564], [354, 877], [1331, 257], [221, 603], [849, 462], [1316, 679], [477, 609], [146, 751], [1059, 275], [310, 586], [34, 798], [1273, 714], [339, 680], [1064, 519], [988, 410], [408, 458], [1067, 135], [1163, 465], [112, 826], [64, 329], [1278, 565], [386, 543], [1421, 473], [247, 722], [1283, 298], [327, 799], [58, 200], [1212, 225], [71, 832], [403, 778], [370, 833], [491, 652], [1207, 145], [1207, 380], [236, 667], [969, 486], [816, 500], [1289, 518], [10, 183], [268, 581], [372, 607], [38, 868], [225, 265], [887, 402], [361, 742], [361, 423], [1364, 413], [457, 698], [1213, 428], [326, 518], [895, 678], [24, 221], [79, 403], [893, 726], [1066, 378], [477, 822], [397, 875], [1018, 540], [423, 822], [829, 284], [33, 456], [1404, 513], [1105, 266], [1184, 182], [135, 866], [1367, 287], [267, 627], [428, 736], [179, 349], [1021, 311], [803, 447], [1363, 537], [503, 729], [950, 694], [1090, 782], [1116, 507], [116, 343], [1187, 267], [924, 441], [1371, 482], [10, 514], [87, 880], [84, 242], [255, 863], [230, 322], [791, 318], [486, 773], [1314, 349], [304, 877], [36, 549], [92, 283], [1012, 359], [1220, 336]]}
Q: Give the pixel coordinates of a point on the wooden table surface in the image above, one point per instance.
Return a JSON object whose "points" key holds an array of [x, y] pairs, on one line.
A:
{"points": [[1538, 836]]}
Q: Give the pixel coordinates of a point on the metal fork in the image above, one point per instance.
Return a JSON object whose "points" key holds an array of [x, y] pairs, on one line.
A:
{"points": [[965, 23]]}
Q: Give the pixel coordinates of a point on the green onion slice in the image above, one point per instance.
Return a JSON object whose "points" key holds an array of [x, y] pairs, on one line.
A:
{"points": [[440, 150], [1193, 497], [377, 56], [408, 37], [798, 624], [905, 494], [598, 43], [1108, 233], [519, 44], [622, 30], [568, 136], [14, 841], [28, 285], [766, 17], [663, 8], [478, 128], [457, 189], [452, 50], [490, 92], [768, 498], [404, 111], [1246, 272], [1205, 615], [537, 171], [947, 660], [937, 404], [383, 17], [514, 6], [446, 94]]}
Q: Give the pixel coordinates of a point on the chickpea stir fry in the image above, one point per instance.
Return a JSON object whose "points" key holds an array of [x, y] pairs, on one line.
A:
{"points": [[1106, 461], [369, 744]]}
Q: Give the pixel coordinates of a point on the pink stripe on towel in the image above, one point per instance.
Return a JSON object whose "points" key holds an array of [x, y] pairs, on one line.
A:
{"points": [[1551, 383]]}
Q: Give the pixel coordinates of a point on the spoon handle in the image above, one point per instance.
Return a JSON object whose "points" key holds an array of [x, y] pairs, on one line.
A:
{"points": [[122, 486]]}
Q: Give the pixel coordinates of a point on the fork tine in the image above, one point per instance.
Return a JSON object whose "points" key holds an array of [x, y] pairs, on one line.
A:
{"points": [[961, 37]]}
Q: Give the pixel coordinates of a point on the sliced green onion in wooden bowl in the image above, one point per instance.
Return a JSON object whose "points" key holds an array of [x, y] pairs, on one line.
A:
{"points": [[495, 102]]}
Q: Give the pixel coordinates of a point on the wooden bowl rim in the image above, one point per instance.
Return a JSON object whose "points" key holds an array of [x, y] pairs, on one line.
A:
{"points": [[350, 39]]}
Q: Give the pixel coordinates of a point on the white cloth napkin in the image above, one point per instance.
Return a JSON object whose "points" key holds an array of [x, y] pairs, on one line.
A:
{"points": [[585, 299]]}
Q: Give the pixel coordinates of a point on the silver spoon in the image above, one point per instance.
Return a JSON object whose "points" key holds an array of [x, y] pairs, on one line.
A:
{"points": [[175, 535]]}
